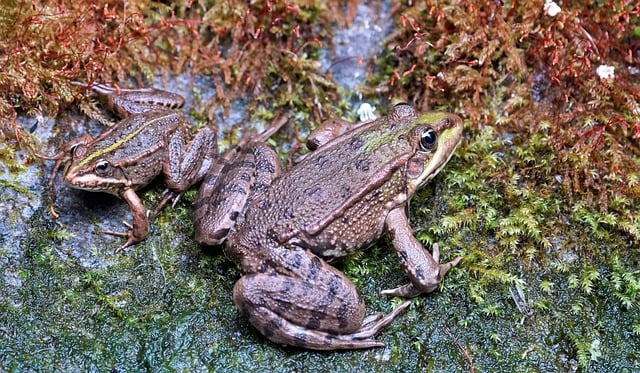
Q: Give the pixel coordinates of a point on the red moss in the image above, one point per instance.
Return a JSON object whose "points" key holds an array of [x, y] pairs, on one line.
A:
{"points": [[514, 65], [45, 45]]}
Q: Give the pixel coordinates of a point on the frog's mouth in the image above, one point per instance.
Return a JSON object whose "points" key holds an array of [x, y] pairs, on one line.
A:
{"points": [[91, 182]]}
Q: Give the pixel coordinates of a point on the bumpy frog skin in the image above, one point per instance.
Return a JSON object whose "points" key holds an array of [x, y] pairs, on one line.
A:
{"points": [[280, 227], [152, 139]]}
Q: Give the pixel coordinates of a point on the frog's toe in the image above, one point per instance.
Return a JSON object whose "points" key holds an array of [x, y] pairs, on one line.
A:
{"points": [[444, 268], [121, 248], [372, 318], [404, 291], [168, 196], [132, 237], [424, 284], [130, 240], [115, 233], [370, 329]]}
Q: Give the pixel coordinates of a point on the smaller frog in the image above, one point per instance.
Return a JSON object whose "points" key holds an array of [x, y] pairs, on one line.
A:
{"points": [[281, 228], [151, 139]]}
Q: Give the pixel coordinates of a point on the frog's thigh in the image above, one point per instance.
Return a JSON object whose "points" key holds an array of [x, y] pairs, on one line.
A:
{"points": [[290, 310], [225, 193], [331, 304]]}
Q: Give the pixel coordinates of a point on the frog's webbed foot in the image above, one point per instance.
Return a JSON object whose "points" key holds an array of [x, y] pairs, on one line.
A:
{"points": [[373, 324], [133, 236], [426, 286], [131, 240]]}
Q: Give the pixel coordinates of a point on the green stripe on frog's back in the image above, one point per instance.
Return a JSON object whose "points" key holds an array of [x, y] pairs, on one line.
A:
{"points": [[156, 117], [383, 136], [391, 132]]}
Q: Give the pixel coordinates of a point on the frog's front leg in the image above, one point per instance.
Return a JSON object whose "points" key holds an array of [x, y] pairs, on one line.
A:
{"points": [[314, 307], [140, 228], [424, 270]]}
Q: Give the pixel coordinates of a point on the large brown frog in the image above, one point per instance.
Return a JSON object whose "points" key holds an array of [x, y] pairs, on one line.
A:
{"points": [[279, 227]]}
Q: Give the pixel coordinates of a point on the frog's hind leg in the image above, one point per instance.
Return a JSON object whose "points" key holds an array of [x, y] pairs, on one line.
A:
{"points": [[326, 314], [284, 332], [188, 162], [227, 191]]}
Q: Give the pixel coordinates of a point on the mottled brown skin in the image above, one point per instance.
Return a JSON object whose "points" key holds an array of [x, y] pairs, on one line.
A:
{"points": [[337, 200], [151, 140]]}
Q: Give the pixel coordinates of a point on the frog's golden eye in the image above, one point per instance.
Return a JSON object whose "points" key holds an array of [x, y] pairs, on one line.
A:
{"points": [[102, 167], [428, 139]]}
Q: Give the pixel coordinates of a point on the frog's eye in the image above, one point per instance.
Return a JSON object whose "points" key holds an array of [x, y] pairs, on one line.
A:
{"points": [[102, 167], [428, 139]]}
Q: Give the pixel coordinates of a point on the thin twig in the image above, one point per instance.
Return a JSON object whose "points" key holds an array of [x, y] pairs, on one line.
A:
{"points": [[461, 348]]}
